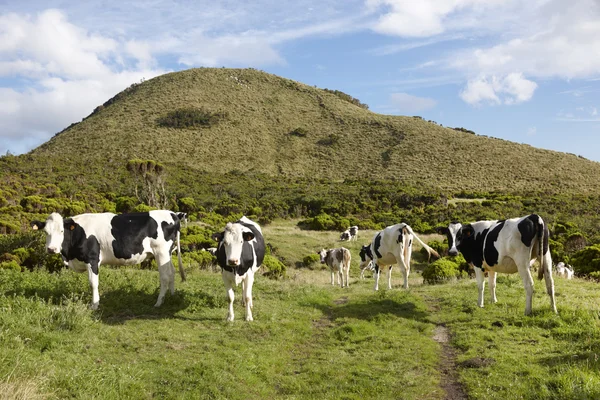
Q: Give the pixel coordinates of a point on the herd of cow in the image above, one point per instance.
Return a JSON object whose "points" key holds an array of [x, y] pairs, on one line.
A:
{"points": [[87, 241]]}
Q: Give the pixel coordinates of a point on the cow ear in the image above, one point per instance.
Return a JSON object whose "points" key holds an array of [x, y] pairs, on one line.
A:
{"points": [[248, 236], [217, 236], [35, 225], [467, 231]]}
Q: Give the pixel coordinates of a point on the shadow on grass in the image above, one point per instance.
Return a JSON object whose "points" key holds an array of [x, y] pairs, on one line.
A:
{"points": [[372, 310]]}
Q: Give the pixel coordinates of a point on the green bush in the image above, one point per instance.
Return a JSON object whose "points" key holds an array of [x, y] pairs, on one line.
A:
{"points": [[586, 261], [202, 259], [13, 265], [125, 204], [311, 259], [189, 118], [275, 268], [441, 271]]}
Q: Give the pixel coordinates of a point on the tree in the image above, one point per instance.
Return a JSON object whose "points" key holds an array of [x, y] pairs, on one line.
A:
{"points": [[151, 176]]}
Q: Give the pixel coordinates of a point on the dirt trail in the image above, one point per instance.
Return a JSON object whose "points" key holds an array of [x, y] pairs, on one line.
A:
{"points": [[447, 367]]}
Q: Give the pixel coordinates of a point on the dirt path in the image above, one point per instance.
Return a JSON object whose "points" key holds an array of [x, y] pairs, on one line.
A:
{"points": [[447, 367]]}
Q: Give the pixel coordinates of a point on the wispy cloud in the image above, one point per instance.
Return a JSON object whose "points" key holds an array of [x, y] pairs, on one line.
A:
{"points": [[405, 103]]}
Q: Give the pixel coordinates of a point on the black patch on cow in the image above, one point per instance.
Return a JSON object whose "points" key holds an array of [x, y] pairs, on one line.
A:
{"points": [[399, 240], [76, 246], [377, 245], [528, 228], [490, 253], [376, 268], [470, 244], [170, 230], [130, 230], [365, 252], [353, 230], [247, 257]]}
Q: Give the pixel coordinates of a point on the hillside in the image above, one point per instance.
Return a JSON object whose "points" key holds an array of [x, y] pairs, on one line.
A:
{"points": [[267, 124]]}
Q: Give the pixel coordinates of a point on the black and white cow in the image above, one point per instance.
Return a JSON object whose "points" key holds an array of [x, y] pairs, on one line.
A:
{"points": [[183, 218], [87, 241], [338, 261], [393, 245], [507, 246], [240, 253], [350, 234]]}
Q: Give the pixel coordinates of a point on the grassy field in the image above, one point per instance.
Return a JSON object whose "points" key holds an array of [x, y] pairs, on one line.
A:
{"points": [[308, 340]]}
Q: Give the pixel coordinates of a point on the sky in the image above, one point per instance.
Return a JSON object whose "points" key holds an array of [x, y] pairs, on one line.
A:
{"points": [[524, 71]]}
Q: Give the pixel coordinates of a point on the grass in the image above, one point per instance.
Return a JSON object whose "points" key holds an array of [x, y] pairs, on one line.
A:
{"points": [[308, 340]]}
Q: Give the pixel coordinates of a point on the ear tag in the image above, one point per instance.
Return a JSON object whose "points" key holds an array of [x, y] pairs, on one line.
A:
{"points": [[35, 228], [71, 227]]}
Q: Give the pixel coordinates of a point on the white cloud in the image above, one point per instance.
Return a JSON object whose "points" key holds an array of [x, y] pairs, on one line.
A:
{"points": [[532, 131], [511, 89], [406, 103]]}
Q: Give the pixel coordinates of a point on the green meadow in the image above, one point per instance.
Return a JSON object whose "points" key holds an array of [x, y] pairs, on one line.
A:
{"points": [[309, 339]]}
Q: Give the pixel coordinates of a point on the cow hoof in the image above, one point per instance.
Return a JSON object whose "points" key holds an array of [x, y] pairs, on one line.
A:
{"points": [[230, 318], [249, 319], [94, 306]]}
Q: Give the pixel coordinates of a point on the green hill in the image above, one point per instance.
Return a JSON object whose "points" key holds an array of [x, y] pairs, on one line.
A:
{"points": [[266, 124]]}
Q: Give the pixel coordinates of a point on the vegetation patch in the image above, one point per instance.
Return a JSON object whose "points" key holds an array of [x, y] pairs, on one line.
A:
{"points": [[190, 118]]}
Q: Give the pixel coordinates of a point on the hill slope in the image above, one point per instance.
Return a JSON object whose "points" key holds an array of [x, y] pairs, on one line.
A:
{"points": [[277, 126]]}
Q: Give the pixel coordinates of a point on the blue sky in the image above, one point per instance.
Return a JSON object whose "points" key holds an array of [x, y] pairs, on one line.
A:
{"points": [[525, 71]]}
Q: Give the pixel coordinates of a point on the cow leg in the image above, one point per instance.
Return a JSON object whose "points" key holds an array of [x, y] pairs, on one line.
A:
{"points": [[346, 271], [492, 283], [230, 294], [340, 275], [480, 277], [166, 274], [247, 293], [243, 292], [389, 275], [93, 278], [523, 266], [332, 276], [549, 280], [376, 275]]}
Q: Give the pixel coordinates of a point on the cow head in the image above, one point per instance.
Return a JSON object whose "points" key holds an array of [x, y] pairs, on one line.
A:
{"points": [[455, 233], [233, 238], [55, 232], [365, 256], [323, 254]]}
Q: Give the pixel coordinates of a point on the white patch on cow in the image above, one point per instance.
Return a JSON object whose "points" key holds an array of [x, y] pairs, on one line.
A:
{"points": [[453, 229], [55, 233]]}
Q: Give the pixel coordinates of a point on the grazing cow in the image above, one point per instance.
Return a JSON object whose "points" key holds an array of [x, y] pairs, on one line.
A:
{"points": [[504, 246], [350, 234], [87, 241], [367, 266], [393, 245], [564, 271], [338, 261], [183, 218], [240, 253]]}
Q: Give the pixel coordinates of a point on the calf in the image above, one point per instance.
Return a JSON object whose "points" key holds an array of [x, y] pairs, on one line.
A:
{"points": [[393, 245], [504, 246], [240, 252], [367, 266], [87, 241], [345, 235], [338, 261], [564, 271]]}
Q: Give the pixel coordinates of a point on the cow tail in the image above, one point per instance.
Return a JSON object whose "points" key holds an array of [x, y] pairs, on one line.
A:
{"points": [[541, 229], [431, 251], [181, 271]]}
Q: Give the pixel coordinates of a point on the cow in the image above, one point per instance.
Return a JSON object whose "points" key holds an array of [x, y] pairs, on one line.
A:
{"points": [[183, 218], [393, 245], [87, 241], [506, 246], [240, 252], [350, 234], [338, 261], [564, 271], [367, 266]]}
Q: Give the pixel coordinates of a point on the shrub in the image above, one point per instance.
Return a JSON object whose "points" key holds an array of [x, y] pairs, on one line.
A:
{"points": [[586, 261], [125, 204], [275, 268], [187, 204], [13, 265], [311, 259], [440, 271], [189, 118], [300, 132]]}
